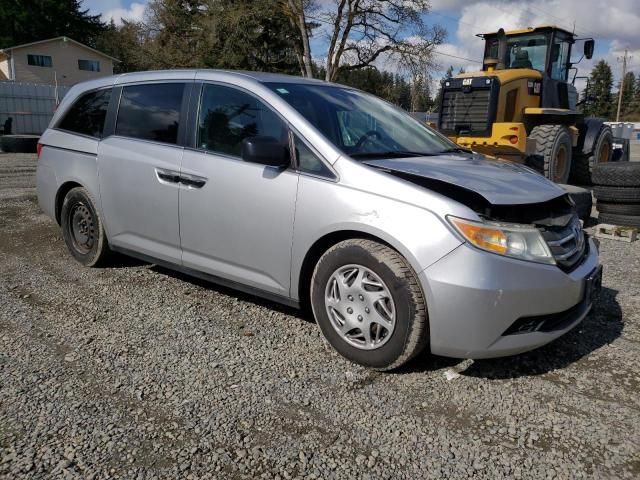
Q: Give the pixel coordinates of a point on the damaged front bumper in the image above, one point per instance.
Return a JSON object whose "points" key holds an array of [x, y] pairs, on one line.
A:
{"points": [[477, 302]]}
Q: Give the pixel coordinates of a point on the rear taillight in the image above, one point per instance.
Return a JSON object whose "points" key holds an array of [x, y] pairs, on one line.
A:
{"points": [[39, 149]]}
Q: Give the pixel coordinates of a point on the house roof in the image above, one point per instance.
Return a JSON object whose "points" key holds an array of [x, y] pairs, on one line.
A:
{"points": [[64, 39]]}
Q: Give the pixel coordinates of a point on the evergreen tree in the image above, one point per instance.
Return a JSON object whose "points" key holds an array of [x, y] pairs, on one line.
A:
{"points": [[420, 94], [628, 94], [24, 21], [636, 101], [128, 43], [249, 34], [175, 30], [597, 94]]}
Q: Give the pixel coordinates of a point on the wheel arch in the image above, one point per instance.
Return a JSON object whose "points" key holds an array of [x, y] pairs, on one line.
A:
{"points": [[588, 134], [324, 243], [61, 193]]}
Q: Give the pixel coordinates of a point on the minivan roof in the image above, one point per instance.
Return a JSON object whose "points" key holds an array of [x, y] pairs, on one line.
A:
{"points": [[201, 74]]}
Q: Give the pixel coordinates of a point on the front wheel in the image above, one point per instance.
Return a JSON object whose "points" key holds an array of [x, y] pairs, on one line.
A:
{"points": [[82, 228], [369, 305]]}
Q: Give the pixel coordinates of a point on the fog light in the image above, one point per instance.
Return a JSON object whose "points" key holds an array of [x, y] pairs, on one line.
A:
{"points": [[513, 139]]}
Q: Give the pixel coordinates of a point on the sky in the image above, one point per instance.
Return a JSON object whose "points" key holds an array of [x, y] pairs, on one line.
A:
{"points": [[614, 24]]}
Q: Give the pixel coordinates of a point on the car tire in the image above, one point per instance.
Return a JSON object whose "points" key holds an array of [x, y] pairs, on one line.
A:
{"points": [[584, 165], [19, 143], [582, 198], [619, 208], [619, 174], [621, 220], [553, 152], [82, 228], [384, 275], [617, 194]]}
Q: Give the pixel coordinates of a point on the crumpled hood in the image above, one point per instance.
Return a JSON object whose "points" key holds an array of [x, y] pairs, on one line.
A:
{"points": [[499, 182]]}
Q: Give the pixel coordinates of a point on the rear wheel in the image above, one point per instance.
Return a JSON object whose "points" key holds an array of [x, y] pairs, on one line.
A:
{"points": [[553, 152], [583, 165], [368, 304], [82, 228]]}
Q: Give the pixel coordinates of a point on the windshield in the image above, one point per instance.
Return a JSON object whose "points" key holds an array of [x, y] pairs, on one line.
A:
{"points": [[523, 51], [527, 51], [361, 125]]}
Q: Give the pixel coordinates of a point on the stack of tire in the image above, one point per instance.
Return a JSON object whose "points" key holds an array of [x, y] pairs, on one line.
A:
{"points": [[617, 191]]}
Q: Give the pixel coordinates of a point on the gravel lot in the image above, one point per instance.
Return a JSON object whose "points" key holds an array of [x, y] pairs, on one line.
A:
{"points": [[136, 372]]}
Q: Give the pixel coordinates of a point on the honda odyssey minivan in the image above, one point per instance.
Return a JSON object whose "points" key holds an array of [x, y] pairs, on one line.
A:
{"points": [[313, 193]]}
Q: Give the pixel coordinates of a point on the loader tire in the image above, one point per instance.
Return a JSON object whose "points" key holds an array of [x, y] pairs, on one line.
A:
{"points": [[553, 152], [584, 165]]}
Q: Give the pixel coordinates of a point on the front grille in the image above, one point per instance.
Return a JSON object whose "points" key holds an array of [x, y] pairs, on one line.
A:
{"points": [[468, 109], [567, 243]]}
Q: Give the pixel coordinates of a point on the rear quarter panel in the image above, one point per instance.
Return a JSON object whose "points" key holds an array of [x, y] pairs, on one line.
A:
{"points": [[66, 158]]}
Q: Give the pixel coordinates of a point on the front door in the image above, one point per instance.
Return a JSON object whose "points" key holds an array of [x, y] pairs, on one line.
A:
{"points": [[138, 170], [236, 218]]}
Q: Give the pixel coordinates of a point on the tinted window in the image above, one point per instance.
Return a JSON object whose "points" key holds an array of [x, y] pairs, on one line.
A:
{"points": [[89, 65], [228, 116], [308, 161], [87, 115], [150, 112], [39, 60]]}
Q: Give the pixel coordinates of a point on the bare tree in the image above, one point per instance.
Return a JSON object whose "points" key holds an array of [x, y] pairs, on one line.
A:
{"points": [[296, 11], [362, 32]]}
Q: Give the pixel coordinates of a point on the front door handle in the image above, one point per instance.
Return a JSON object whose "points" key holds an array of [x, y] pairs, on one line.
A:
{"points": [[169, 176]]}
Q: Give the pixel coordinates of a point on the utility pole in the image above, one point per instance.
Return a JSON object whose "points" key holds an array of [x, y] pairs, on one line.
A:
{"points": [[624, 73]]}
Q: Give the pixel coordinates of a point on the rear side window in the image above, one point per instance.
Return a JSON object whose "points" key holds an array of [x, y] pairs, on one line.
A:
{"points": [[87, 114], [150, 112]]}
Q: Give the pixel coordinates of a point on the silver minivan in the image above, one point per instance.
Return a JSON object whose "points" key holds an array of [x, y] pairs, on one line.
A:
{"points": [[312, 193]]}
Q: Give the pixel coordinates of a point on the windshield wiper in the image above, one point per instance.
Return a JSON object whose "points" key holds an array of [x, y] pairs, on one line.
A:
{"points": [[456, 150], [392, 153]]}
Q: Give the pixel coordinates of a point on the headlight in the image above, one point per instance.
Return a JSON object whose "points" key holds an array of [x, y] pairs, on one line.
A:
{"points": [[511, 240]]}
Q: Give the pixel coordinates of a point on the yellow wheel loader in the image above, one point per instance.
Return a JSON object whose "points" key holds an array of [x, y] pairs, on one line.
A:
{"points": [[523, 107]]}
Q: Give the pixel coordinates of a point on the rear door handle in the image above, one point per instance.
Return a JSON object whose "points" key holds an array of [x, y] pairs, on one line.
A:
{"points": [[193, 181]]}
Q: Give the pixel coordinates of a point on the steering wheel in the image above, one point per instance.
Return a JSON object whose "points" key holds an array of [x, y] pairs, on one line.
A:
{"points": [[365, 137]]}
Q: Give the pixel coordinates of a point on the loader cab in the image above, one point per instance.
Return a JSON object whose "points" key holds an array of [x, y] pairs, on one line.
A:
{"points": [[545, 49]]}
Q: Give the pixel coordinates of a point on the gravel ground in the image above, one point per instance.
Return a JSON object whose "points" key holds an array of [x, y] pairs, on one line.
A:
{"points": [[136, 372]]}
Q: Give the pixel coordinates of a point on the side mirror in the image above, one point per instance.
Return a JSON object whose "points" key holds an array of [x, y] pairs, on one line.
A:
{"points": [[265, 151], [589, 46], [555, 52]]}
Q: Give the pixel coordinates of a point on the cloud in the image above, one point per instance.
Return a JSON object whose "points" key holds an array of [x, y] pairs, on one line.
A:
{"points": [[117, 10], [135, 13]]}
